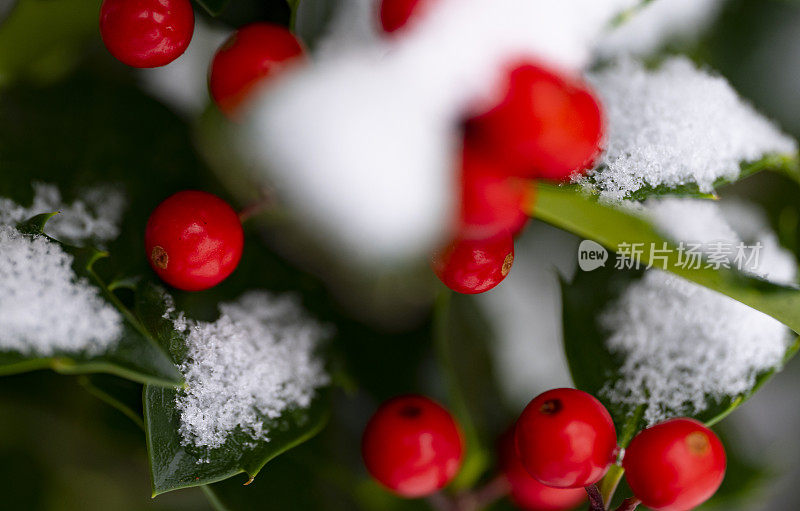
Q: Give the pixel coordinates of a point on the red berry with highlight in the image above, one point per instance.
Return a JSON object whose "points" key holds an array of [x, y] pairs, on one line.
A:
{"points": [[396, 14], [474, 265], [146, 33], [412, 446], [566, 439], [252, 54], [675, 466], [194, 240], [526, 492], [491, 202], [545, 126]]}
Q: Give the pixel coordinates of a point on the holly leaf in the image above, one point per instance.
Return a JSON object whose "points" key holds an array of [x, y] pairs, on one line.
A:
{"points": [[135, 355], [175, 464], [462, 336], [611, 227], [783, 163], [593, 367]]}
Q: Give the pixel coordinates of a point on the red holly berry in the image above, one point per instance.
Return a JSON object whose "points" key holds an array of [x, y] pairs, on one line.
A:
{"points": [[675, 466], [474, 265], [526, 492], [194, 240], [566, 438], [395, 14], [412, 446], [251, 54], [491, 202], [545, 126], [146, 33]]}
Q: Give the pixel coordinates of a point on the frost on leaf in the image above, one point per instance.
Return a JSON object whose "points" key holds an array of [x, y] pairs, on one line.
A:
{"points": [[257, 361], [94, 217], [684, 346], [45, 309], [675, 126]]}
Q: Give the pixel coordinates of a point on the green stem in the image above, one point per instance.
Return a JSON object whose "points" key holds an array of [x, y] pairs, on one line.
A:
{"points": [[609, 483], [475, 460]]}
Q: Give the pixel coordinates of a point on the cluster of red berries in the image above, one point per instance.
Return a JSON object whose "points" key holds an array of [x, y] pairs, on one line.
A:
{"points": [[153, 33], [544, 125], [563, 441]]}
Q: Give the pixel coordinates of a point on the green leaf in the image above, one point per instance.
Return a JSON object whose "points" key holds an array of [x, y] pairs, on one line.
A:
{"points": [[62, 28], [462, 335], [213, 7], [593, 367], [174, 465], [135, 356], [124, 395], [784, 163], [585, 216], [35, 225]]}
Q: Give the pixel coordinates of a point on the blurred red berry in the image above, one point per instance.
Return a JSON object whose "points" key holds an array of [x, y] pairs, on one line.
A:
{"points": [[395, 14], [566, 439], [545, 126], [675, 466], [474, 265], [526, 492], [194, 240], [491, 201], [412, 446], [146, 33], [251, 54]]}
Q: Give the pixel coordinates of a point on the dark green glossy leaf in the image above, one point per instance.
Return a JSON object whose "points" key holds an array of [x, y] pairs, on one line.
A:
{"points": [[174, 465], [135, 356], [585, 216], [593, 367]]}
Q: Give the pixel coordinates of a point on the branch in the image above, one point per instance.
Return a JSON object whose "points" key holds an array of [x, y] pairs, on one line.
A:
{"points": [[595, 499]]}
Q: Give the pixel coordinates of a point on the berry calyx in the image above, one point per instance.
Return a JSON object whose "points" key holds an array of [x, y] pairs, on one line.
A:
{"points": [[566, 439], [250, 55], [396, 14], [675, 465], [545, 126], [412, 446], [146, 33], [526, 492], [194, 240], [474, 265], [491, 202]]}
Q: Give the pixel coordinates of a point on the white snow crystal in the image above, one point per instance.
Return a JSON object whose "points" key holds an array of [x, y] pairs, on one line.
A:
{"points": [[94, 217], [255, 362], [361, 144], [44, 308], [658, 23], [681, 343], [676, 125]]}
